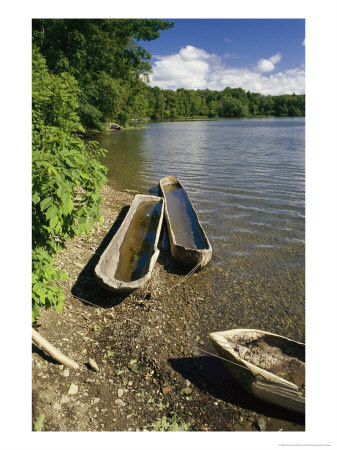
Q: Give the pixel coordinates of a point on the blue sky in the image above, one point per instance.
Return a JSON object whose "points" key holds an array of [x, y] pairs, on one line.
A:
{"points": [[260, 55]]}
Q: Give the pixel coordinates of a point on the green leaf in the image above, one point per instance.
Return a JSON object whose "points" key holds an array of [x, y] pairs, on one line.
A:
{"points": [[67, 203], [46, 203], [35, 311], [80, 159], [51, 212], [53, 221], [38, 424], [35, 198]]}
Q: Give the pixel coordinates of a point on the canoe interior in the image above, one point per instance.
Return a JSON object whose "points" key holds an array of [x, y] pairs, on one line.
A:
{"points": [[137, 247], [281, 357], [183, 219]]}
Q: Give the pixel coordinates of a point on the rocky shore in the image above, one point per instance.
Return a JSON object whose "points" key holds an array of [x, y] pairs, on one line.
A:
{"points": [[143, 361]]}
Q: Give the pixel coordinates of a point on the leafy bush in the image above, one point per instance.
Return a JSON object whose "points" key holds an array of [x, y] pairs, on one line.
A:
{"points": [[66, 180], [170, 424]]}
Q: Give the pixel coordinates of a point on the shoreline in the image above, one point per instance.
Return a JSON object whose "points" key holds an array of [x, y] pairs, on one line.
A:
{"points": [[153, 374]]}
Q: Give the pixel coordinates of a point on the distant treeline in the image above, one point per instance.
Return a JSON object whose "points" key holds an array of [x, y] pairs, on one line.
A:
{"points": [[164, 104]]}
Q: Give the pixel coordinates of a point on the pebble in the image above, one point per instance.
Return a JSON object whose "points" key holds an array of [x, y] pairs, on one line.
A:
{"points": [[64, 399], [80, 266], [66, 373], [166, 389], [120, 392], [96, 400], [119, 403], [73, 389], [93, 365], [57, 407]]}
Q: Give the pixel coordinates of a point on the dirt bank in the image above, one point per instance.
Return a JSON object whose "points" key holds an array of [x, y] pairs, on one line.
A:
{"points": [[153, 373]]}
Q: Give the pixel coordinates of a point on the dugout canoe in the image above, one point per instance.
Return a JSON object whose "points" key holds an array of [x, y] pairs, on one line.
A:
{"points": [[127, 262], [269, 366], [188, 241]]}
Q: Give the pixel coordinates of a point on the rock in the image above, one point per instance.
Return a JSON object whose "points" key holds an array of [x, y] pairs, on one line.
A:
{"points": [[64, 399], [115, 126], [119, 403], [96, 400], [73, 389], [166, 389], [120, 392], [57, 407], [66, 373], [93, 365], [260, 424], [186, 391]]}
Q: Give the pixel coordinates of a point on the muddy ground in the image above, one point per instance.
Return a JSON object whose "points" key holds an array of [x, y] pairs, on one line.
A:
{"points": [[156, 371]]}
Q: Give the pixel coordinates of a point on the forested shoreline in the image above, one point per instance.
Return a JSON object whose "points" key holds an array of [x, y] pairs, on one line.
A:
{"points": [[85, 74], [111, 69]]}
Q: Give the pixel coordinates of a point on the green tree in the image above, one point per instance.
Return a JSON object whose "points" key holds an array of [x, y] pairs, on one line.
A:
{"points": [[66, 179], [104, 57]]}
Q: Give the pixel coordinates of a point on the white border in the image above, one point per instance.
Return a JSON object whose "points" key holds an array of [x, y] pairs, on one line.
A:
{"points": [[321, 223]]}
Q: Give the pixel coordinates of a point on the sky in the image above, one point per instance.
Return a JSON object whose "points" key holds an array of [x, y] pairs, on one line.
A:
{"points": [[259, 55]]}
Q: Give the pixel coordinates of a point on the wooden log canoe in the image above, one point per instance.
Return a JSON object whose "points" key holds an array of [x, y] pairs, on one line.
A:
{"points": [[188, 241], [268, 366], [128, 260]]}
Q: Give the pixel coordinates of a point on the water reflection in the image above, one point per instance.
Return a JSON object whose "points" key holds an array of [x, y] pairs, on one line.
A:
{"points": [[125, 158], [184, 222], [138, 244]]}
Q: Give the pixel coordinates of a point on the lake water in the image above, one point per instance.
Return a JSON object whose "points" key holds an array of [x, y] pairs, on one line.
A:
{"points": [[246, 180]]}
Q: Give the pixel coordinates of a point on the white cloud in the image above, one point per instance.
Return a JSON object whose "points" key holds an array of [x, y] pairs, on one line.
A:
{"points": [[264, 65], [194, 68], [190, 53], [275, 58], [230, 55], [268, 65]]}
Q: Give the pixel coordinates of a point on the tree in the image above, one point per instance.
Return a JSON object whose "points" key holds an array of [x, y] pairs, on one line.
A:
{"points": [[66, 179], [104, 57]]}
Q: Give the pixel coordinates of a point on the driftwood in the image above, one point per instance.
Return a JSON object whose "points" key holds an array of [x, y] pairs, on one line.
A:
{"points": [[44, 345]]}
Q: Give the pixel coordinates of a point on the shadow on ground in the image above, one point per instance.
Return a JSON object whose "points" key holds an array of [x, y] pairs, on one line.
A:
{"points": [[209, 374], [86, 287]]}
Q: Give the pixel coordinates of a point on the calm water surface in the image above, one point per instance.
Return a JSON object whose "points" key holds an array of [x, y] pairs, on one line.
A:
{"points": [[245, 178]]}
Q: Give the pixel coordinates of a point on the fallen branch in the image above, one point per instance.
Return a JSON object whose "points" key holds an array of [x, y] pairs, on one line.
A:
{"points": [[44, 345]]}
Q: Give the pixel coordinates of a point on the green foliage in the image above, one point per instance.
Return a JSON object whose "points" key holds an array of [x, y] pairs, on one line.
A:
{"points": [[66, 180], [134, 365], [38, 424], [54, 98], [104, 57], [170, 424], [165, 103], [45, 278]]}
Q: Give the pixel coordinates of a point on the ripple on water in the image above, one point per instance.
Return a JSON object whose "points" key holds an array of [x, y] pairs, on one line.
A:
{"points": [[246, 181]]}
